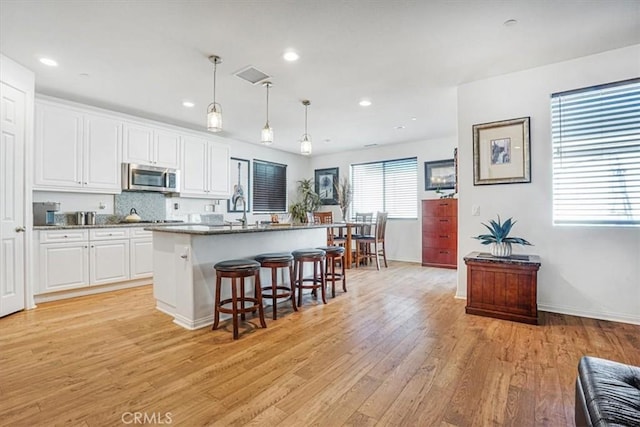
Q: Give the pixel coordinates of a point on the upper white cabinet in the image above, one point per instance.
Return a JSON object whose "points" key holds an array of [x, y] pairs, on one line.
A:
{"points": [[205, 169], [150, 146], [76, 150]]}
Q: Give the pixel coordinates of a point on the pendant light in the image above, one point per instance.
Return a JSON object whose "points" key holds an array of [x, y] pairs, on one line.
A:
{"points": [[214, 112], [267, 131], [305, 142]]}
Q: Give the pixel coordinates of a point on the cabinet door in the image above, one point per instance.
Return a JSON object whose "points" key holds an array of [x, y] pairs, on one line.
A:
{"points": [[167, 149], [63, 266], [102, 154], [109, 261], [195, 153], [141, 251], [138, 144], [219, 166], [58, 148]]}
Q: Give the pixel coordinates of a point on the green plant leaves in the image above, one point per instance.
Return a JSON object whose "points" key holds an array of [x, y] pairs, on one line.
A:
{"points": [[499, 232]]}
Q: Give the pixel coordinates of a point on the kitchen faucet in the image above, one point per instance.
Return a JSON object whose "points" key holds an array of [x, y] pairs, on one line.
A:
{"points": [[244, 211]]}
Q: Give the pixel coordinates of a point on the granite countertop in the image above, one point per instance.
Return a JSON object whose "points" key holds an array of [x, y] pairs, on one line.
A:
{"points": [[114, 225], [200, 229], [522, 259]]}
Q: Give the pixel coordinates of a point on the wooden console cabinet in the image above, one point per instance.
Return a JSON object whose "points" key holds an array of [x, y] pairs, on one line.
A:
{"points": [[505, 288], [440, 233]]}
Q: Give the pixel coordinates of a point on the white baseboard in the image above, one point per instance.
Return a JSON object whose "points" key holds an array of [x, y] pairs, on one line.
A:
{"points": [[91, 290]]}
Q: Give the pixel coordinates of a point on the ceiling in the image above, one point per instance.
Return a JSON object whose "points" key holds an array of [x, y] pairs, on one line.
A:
{"points": [[407, 57]]}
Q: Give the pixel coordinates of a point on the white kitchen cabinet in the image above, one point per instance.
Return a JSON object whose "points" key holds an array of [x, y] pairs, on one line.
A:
{"points": [[205, 169], [151, 146], [109, 261], [141, 254], [76, 150], [63, 260]]}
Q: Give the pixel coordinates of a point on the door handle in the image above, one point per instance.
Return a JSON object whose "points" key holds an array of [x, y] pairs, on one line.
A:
{"points": [[20, 230]]}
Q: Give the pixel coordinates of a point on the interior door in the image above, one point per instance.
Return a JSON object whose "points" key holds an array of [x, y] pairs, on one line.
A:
{"points": [[12, 193]]}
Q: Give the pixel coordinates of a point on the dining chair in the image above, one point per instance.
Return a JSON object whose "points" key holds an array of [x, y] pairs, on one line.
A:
{"points": [[332, 237], [363, 244]]}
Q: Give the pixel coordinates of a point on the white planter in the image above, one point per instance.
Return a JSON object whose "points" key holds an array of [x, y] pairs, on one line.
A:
{"points": [[502, 249]]}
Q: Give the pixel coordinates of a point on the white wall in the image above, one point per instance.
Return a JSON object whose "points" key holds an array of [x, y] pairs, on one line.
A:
{"points": [[586, 271], [403, 236]]}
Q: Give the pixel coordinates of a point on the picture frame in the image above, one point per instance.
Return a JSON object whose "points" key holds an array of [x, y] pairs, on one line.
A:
{"points": [[440, 175], [326, 185], [502, 152], [240, 170]]}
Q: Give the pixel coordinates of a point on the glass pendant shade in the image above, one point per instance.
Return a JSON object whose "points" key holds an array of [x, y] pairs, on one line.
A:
{"points": [[214, 111], [305, 141], [266, 136], [305, 145], [214, 117]]}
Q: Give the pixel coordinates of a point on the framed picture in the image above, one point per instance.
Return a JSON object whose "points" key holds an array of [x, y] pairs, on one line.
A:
{"points": [[241, 186], [501, 152], [326, 182], [440, 175]]}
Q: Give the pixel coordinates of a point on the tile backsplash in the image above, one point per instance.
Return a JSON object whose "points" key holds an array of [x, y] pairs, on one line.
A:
{"points": [[149, 205]]}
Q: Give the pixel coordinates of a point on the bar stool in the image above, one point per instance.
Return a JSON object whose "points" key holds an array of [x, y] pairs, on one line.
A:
{"points": [[238, 269], [274, 261], [335, 253], [317, 257]]}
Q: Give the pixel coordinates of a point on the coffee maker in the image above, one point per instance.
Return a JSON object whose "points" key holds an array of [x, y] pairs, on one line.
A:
{"points": [[43, 212]]}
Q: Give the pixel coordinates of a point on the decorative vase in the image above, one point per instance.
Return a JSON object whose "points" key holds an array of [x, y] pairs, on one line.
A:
{"points": [[501, 249]]}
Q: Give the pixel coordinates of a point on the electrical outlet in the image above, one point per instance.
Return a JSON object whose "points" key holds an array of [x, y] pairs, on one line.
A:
{"points": [[208, 208], [475, 210], [102, 205], [176, 206]]}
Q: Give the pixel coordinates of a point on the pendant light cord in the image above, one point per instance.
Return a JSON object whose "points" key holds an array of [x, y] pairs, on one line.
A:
{"points": [[268, 86], [215, 66]]}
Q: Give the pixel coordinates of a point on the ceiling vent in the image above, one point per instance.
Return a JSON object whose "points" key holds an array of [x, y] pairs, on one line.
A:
{"points": [[252, 75]]}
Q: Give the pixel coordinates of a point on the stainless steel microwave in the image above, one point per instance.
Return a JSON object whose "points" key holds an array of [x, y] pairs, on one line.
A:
{"points": [[136, 177]]}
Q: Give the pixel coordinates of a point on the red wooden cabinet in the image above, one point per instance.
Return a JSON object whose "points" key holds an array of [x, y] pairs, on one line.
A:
{"points": [[503, 288], [440, 233]]}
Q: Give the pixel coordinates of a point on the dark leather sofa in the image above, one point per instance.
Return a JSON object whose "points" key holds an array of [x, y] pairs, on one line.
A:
{"points": [[607, 393]]}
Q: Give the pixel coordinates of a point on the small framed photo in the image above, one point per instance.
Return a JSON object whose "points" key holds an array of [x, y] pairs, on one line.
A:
{"points": [[326, 185], [440, 175], [241, 186], [502, 152]]}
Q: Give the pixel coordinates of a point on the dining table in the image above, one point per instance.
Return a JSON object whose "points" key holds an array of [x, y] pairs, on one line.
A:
{"points": [[348, 231]]}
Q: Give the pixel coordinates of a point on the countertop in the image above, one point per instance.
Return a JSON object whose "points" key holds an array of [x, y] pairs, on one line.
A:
{"points": [[521, 259], [114, 225], [201, 229]]}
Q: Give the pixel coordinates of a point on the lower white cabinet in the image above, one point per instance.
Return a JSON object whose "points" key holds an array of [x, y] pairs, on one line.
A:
{"points": [[77, 258]]}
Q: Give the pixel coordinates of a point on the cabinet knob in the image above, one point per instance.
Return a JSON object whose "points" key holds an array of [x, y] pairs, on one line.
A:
{"points": [[79, 182], [183, 256], [20, 229], [65, 236]]}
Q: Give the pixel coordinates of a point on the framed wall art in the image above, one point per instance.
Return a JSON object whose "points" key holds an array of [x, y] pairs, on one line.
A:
{"points": [[502, 152], [440, 175], [326, 185], [241, 186]]}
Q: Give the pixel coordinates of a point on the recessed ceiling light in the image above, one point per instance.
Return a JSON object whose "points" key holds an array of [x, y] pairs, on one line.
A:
{"points": [[327, 141], [365, 103], [510, 22], [399, 127], [188, 104], [84, 75], [49, 62], [414, 118], [291, 56]]}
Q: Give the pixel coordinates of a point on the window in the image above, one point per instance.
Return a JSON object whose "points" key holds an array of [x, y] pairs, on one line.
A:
{"points": [[269, 187], [390, 186], [596, 155]]}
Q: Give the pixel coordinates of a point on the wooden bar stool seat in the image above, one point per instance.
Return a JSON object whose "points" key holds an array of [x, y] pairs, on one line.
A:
{"points": [[317, 257], [238, 269], [274, 261], [335, 253]]}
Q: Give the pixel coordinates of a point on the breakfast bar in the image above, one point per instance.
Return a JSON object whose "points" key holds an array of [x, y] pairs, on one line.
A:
{"points": [[184, 256]]}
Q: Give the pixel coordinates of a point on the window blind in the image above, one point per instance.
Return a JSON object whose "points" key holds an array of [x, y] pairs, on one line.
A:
{"points": [[389, 186], [596, 155], [269, 187]]}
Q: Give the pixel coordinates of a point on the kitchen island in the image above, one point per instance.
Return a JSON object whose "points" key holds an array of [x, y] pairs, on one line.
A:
{"points": [[184, 256]]}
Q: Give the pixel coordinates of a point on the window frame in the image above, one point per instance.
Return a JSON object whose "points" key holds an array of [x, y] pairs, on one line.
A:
{"points": [[259, 194]]}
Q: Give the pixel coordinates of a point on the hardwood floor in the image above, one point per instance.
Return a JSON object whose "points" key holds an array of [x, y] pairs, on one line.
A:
{"points": [[397, 349]]}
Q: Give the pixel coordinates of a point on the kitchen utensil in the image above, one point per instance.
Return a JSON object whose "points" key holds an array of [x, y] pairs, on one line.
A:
{"points": [[90, 218], [80, 218], [133, 216]]}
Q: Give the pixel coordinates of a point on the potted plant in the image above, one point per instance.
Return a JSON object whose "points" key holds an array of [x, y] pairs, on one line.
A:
{"points": [[309, 201], [343, 190], [499, 239]]}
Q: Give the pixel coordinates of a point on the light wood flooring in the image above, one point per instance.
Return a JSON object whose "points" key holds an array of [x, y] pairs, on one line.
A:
{"points": [[397, 349]]}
